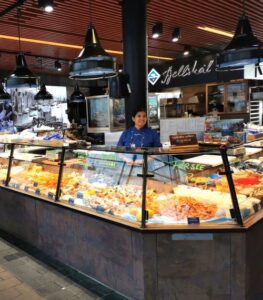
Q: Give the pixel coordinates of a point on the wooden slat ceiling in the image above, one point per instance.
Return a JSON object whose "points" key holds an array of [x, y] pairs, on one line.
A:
{"points": [[68, 22]]}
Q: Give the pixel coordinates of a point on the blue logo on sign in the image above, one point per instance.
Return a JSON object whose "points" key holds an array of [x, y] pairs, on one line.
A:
{"points": [[153, 76]]}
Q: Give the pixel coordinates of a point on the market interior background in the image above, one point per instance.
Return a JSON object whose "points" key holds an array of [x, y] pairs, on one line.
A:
{"points": [[52, 39]]}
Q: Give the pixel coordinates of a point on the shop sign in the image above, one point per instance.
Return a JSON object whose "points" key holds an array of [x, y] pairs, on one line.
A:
{"points": [[183, 139], [253, 71], [153, 76], [188, 166], [185, 71], [182, 72]]}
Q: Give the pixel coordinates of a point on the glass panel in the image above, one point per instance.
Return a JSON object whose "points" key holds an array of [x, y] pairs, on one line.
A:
{"points": [[98, 111], [186, 189], [103, 182], [4, 159], [236, 97], [247, 177], [216, 98], [35, 170], [118, 113], [153, 118]]}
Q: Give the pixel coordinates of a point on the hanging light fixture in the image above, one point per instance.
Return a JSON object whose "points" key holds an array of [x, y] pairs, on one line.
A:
{"points": [[47, 5], [22, 76], [243, 49], [176, 34], [43, 94], [157, 29], [58, 65], [77, 95], [187, 50], [93, 61], [3, 94]]}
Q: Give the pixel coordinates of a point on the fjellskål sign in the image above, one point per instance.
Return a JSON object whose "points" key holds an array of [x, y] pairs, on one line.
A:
{"points": [[185, 71]]}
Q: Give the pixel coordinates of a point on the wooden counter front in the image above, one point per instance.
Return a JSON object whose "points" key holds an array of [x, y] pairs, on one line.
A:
{"points": [[142, 264]]}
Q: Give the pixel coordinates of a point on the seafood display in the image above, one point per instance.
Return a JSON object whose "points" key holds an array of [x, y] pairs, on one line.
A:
{"points": [[206, 198]]}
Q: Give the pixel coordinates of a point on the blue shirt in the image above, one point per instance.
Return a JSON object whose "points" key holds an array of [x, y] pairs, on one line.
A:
{"points": [[145, 137]]}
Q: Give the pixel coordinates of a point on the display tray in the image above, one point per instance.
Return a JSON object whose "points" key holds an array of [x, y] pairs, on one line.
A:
{"points": [[255, 144], [210, 160], [213, 144]]}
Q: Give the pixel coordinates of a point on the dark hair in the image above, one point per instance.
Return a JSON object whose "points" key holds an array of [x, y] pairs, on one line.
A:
{"points": [[140, 109]]}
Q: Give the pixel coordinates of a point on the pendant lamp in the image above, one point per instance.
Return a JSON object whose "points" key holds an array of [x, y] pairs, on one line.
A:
{"points": [[22, 76], [93, 61], [3, 94], [243, 49], [77, 96], [43, 94]]}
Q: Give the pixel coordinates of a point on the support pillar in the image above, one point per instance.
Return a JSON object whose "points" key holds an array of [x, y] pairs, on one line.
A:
{"points": [[134, 15]]}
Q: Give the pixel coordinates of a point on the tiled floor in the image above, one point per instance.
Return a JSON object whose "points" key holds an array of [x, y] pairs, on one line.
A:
{"points": [[28, 274]]}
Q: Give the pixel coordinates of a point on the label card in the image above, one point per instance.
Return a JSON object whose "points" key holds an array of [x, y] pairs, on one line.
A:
{"points": [[71, 201], [194, 220], [50, 195], [183, 140]]}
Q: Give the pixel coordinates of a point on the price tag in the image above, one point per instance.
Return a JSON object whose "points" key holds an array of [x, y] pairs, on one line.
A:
{"points": [[194, 220], [50, 195], [71, 201], [37, 192], [80, 195]]}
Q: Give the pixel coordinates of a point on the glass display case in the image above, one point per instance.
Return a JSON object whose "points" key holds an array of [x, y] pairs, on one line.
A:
{"points": [[105, 114], [227, 97], [236, 97], [153, 188], [215, 98], [153, 111]]}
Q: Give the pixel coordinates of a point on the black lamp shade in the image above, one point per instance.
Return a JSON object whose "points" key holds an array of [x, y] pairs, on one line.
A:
{"points": [[77, 95], [3, 94], [46, 4], [93, 61], [58, 65], [157, 29], [176, 35], [22, 76], [43, 94], [243, 49], [187, 50]]}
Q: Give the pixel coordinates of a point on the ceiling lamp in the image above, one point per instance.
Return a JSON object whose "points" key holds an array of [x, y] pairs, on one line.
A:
{"points": [[3, 94], [157, 29], [58, 65], [43, 94], [187, 50], [77, 95], [47, 5], [22, 76], [176, 34], [243, 49], [93, 61]]}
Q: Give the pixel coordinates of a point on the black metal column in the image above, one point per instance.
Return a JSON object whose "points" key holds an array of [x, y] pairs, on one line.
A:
{"points": [[135, 54]]}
